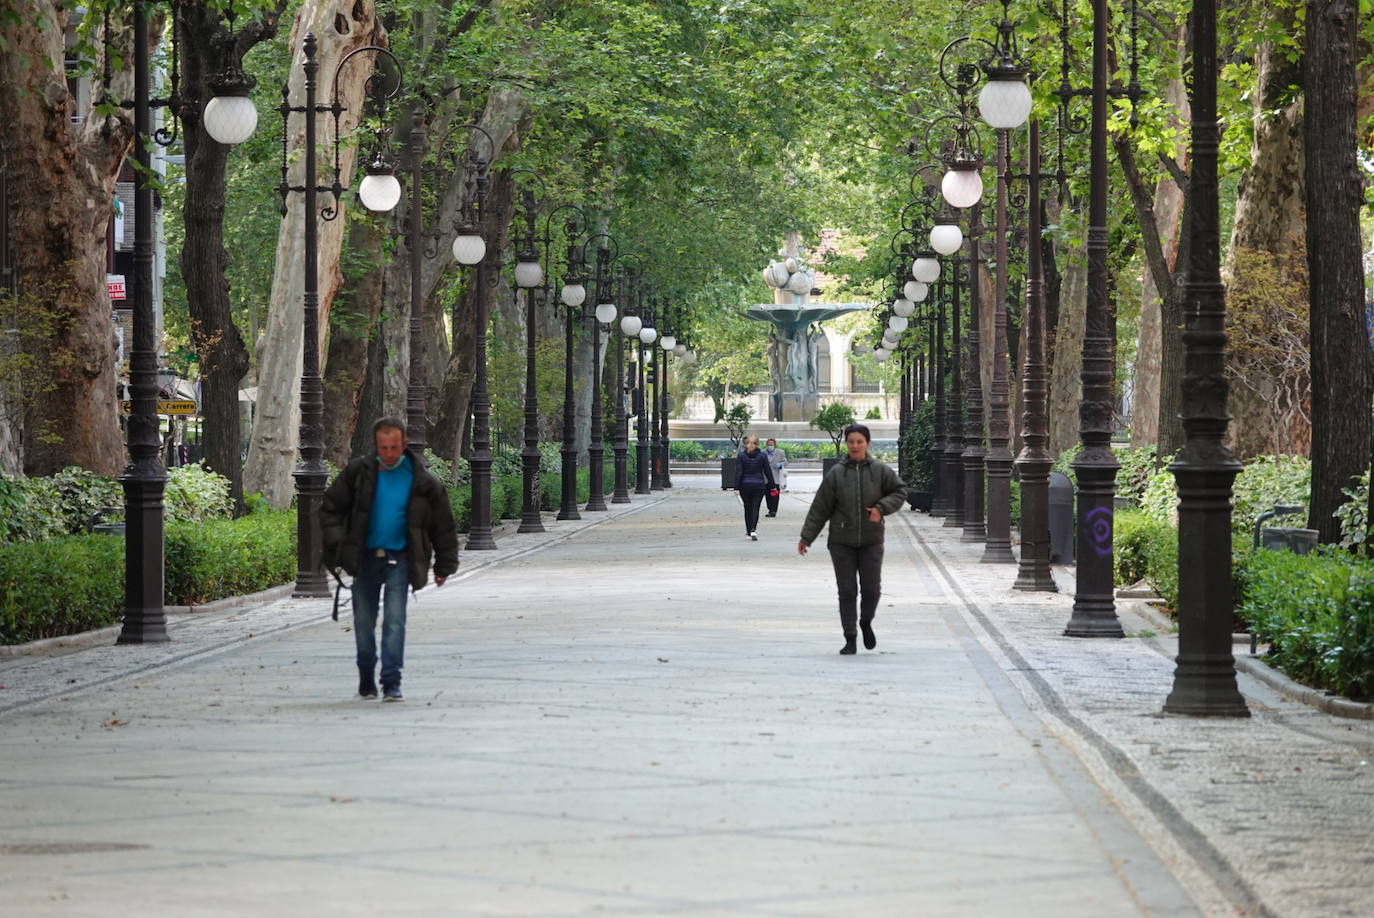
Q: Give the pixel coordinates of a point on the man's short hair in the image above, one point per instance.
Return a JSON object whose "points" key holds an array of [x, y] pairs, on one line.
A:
{"points": [[773, 441], [389, 424]]}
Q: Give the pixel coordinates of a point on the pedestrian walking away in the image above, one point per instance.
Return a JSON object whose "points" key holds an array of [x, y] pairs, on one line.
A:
{"points": [[854, 497], [753, 479], [384, 520], [777, 461]]}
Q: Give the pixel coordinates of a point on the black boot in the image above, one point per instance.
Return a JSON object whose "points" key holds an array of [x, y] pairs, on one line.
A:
{"points": [[870, 639], [849, 647], [367, 684]]}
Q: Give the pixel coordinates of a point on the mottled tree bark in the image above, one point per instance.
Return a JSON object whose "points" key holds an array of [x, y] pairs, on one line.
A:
{"points": [[353, 325], [1340, 344], [60, 210], [1269, 226], [1066, 389]]}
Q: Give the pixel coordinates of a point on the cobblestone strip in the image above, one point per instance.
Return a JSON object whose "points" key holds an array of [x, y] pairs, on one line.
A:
{"points": [[1263, 816]]}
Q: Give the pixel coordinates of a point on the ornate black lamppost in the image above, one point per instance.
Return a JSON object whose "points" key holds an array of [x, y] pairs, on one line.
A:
{"points": [[572, 295], [529, 274], [604, 315], [1094, 605], [1205, 680], [936, 318], [144, 479], [632, 326], [379, 192], [1034, 463], [641, 410]]}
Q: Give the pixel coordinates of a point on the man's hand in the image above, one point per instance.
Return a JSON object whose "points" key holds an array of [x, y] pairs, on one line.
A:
{"points": [[801, 548], [875, 515], [439, 581]]}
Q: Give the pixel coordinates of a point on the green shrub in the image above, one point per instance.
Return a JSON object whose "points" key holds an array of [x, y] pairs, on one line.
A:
{"points": [[920, 437], [1266, 481], [195, 494], [874, 414], [1130, 532], [29, 511], [1317, 614], [76, 583], [1138, 466], [61, 586], [687, 451], [212, 560], [1160, 549], [1354, 527]]}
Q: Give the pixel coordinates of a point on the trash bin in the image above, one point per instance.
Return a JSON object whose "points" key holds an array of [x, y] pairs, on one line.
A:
{"points": [[727, 473], [1283, 538], [1061, 519]]}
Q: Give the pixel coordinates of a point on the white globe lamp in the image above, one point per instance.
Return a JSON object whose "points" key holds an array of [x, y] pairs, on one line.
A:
{"points": [[946, 238], [962, 186], [379, 191], [630, 326], [1005, 101], [903, 306], [605, 313], [469, 248], [573, 295], [926, 270], [231, 118]]}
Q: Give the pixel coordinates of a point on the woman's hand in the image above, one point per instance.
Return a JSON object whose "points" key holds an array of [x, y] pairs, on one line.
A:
{"points": [[875, 515], [801, 548]]}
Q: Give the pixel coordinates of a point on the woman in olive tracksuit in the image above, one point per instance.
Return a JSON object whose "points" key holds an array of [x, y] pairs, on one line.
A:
{"points": [[853, 498]]}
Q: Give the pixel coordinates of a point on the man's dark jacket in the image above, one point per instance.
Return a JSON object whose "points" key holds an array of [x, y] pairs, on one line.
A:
{"points": [[847, 490], [429, 521]]}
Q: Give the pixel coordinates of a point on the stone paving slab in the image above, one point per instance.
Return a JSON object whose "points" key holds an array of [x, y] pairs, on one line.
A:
{"points": [[645, 716]]}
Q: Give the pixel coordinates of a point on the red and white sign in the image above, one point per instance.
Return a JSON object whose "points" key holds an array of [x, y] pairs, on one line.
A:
{"points": [[114, 283]]}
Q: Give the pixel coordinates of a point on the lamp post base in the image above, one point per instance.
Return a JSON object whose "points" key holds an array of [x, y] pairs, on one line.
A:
{"points": [[1205, 686]]}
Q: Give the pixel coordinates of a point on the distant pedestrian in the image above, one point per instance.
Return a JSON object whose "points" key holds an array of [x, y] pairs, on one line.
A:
{"points": [[854, 497], [753, 479], [777, 461], [383, 520]]}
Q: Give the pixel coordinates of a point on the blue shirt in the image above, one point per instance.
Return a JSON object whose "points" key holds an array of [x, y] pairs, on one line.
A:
{"points": [[386, 524]]}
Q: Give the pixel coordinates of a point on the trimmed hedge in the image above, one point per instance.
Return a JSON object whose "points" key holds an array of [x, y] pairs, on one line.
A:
{"points": [[1316, 612], [1145, 548], [76, 583]]}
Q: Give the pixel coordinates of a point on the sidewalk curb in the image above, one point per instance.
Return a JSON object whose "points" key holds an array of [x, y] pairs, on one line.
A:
{"points": [[1324, 701], [1335, 705]]}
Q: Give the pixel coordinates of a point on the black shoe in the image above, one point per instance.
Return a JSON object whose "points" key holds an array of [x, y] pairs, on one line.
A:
{"points": [[772, 514], [870, 639], [392, 693], [849, 647], [367, 685]]}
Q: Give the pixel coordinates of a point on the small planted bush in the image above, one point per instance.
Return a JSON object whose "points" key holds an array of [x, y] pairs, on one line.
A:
{"points": [[1316, 612], [76, 583], [195, 494]]}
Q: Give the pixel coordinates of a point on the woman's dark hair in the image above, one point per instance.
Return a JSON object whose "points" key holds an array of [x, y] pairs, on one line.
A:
{"points": [[858, 429]]}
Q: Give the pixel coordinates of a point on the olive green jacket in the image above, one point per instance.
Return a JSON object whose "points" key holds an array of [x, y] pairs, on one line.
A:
{"points": [[846, 492]]}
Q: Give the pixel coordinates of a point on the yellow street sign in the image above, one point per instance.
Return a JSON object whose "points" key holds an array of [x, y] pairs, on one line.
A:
{"points": [[164, 407]]}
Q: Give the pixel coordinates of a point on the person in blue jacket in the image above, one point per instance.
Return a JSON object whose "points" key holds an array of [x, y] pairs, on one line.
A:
{"points": [[753, 479]]}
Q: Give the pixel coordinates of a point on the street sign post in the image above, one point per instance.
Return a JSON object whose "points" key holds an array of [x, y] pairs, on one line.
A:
{"points": [[165, 407]]}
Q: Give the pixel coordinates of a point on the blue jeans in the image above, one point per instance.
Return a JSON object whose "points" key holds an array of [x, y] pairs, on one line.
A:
{"points": [[394, 573]]}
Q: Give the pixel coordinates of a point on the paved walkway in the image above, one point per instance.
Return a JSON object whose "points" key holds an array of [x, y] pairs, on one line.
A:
{"points": [[643, 714]]}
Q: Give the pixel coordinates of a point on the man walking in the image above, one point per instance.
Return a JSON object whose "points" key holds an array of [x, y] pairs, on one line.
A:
{"points": [[777, 459], [382, 520]]}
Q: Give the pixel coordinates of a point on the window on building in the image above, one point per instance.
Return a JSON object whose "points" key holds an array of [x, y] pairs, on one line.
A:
{"points": [[823, 364]]}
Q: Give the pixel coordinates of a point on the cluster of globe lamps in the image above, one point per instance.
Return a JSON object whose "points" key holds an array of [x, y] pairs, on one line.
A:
{"points": [[1005, 103], [230, 118]]}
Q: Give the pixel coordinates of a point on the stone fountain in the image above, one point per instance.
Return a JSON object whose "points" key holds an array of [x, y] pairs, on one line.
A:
{"points": [[794, 330]]}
